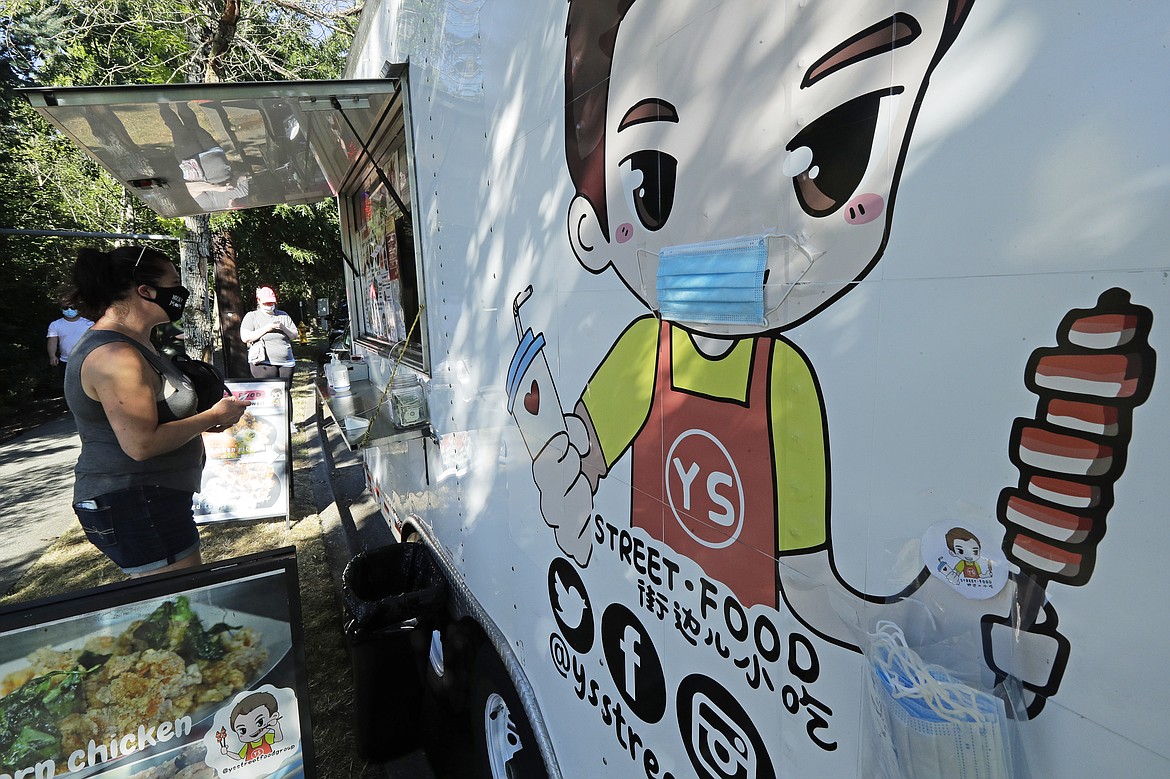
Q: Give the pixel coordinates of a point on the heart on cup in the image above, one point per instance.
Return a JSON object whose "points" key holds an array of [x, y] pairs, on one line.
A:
{"points": [[532, 399]]}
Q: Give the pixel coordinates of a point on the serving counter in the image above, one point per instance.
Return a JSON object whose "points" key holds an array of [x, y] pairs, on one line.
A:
{"points": [[362, 402]]}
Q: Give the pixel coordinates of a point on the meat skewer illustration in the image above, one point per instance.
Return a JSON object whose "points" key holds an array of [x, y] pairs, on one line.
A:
{"points": [[1069, 456]]}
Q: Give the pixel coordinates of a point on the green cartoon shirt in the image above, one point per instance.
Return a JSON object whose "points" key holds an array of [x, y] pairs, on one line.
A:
{"points": [[619, 396]]}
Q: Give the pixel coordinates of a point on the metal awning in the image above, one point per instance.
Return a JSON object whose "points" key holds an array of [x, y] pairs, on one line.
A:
{"points": [[198, 148]]}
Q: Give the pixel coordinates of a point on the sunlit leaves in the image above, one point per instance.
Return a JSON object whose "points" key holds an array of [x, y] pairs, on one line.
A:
{"points": [[49, 184]]}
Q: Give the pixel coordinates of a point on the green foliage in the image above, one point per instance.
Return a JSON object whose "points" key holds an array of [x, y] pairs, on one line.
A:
{"points": [[295, 249], [49, 184]]}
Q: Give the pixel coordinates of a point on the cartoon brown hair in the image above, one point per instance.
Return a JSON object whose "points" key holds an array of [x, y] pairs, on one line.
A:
{"points": [[252, 702], [960, 534], [591, 35]]}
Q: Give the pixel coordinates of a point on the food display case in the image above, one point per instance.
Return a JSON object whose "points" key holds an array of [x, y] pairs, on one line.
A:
{"points": [[195, 673]]}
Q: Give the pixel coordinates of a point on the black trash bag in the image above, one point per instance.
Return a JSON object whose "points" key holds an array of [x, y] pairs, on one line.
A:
{"points": [[393, 596], [397, 586]]}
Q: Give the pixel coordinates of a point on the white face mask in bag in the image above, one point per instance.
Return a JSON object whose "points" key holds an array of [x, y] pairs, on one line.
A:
{"points": [[929, 725]]}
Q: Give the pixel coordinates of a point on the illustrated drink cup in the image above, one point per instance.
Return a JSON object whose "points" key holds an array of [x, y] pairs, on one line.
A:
{"points": [[532, 398]]}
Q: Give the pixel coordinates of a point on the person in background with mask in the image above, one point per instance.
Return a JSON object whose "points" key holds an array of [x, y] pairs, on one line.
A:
{"points": [[63, 336], [141, 451], [268, 332]]}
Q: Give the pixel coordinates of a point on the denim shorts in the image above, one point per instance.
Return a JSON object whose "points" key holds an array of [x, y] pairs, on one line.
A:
{"points": [[141, 528]]}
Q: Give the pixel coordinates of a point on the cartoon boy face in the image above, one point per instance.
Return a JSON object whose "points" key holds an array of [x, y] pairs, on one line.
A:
{"points": [[695, 150], [966, 548], [251, 725]]}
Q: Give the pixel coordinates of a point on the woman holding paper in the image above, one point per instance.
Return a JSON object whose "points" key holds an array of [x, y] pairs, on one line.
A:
{"points": [[268, 332]]}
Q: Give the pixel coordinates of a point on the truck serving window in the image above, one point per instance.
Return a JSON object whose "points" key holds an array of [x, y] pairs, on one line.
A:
{"points": [[199, 148], [376, 208]]}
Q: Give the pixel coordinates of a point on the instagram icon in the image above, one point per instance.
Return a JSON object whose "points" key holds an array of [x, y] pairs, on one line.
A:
{"points": [[719, 736]]}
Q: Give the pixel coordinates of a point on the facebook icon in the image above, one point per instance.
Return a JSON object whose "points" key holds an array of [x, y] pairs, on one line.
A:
{"points": [[628, 646], [633, 663]]}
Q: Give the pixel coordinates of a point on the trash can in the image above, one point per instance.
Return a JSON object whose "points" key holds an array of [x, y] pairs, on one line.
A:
{"points": [[390, 594]]}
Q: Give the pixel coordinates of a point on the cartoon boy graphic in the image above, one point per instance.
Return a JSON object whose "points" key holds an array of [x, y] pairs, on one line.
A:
{"points": [[734, 214], [965, 545], [709, 397], [256, 721]]}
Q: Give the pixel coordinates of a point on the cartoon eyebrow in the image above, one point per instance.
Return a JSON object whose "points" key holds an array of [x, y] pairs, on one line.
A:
{"points": [[899, 30], [652, 109]]}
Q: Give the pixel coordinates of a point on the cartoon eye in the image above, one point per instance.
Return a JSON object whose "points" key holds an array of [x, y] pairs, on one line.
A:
{"points": [[648, 179], [833, 153]]}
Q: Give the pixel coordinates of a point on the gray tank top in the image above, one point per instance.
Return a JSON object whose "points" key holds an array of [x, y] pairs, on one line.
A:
{"points": [[103, 466]]}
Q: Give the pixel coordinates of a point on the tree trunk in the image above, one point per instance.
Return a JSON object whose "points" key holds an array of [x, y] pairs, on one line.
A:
{"points": [[222, 38], [197, 248], [231, 306], [194, 252]]}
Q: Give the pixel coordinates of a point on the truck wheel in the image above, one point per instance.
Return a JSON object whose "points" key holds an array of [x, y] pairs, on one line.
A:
{"points": [[505, 745], [450, 658]]}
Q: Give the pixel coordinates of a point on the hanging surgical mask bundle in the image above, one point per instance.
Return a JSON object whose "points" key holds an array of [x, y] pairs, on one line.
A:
{"points": [[925, 723], [734, 281]]}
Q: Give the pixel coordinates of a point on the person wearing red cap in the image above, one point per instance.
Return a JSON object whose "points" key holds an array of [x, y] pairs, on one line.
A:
{"points": [[268, 332]]}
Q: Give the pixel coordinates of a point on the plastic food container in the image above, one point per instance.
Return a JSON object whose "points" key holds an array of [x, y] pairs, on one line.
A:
{"points": [[356, 425]]}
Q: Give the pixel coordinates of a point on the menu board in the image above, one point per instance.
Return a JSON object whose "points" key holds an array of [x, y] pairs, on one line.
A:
{"points": [[381, 231], [197, 674], [248, 473]]}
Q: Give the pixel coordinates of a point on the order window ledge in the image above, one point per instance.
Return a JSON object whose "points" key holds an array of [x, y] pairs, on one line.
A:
{"points": [[361, 402]]}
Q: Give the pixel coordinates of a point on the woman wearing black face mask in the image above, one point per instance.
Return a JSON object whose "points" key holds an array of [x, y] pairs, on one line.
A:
{"points": [[141, 452]]}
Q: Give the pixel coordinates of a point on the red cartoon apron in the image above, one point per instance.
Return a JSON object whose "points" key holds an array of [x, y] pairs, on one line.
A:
{"points": [[704, 478], [257, 749]]}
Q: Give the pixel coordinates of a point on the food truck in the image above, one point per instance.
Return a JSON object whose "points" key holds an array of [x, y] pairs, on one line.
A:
{"points": [[774, 381]]}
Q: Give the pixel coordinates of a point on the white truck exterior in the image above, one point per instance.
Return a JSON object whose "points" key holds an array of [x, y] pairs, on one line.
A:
{"points": [[956, 347], [773, 350]]}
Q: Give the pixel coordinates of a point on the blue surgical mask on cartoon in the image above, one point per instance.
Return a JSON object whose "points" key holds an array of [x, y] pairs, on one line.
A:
{"points": [[715, 282], [69, 312]]}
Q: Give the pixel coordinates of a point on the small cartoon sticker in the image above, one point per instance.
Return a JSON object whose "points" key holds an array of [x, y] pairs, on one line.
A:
{"points": [[967, 557], [256, 735]]}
